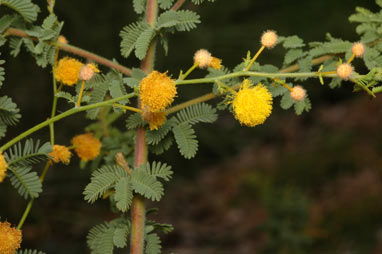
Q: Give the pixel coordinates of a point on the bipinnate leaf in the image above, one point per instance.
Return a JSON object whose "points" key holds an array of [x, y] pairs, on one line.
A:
{"points": [[186, 140], [25, 8], [102, 180], [161, 170], [25, 181], [153, 244], [146, 185], [123, 194], [130, 35]]}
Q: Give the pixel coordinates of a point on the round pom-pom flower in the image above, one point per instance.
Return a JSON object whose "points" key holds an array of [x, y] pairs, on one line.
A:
{"points": [[344, 71], [62, 39], [10, 238], [252, 105], [87, 71], [156, 91], [203, 58], [269, 39], [67, 71], [60, 154], [3, 167], [358, 49], [86, 146], [155, 120], [298, 93], [215, 63]]}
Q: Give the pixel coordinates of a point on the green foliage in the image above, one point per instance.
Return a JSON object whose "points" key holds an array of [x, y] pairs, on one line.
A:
{"points": [[183, 20], [292, 42], [28, 154], [136, 76], [103, 237], [120, 237], [9, 113], [136, 36], [117, 90], [197, 113], [201, 1], [162, 146], [134, 121], [5, 22], [153, 244], [19, 159], [184, 134], [186, 139], [26, 182], [153, 137], [102, 180], [333, 46], [158, 169], [25, 8], [143, 42], [26, 251], [123, 193], [139, 6], [146, 185], [165, 4], [100, 88]]}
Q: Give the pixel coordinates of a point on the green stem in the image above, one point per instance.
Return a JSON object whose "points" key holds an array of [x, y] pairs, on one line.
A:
{"points": [[63, 115], [25, 214], [251, 74]]}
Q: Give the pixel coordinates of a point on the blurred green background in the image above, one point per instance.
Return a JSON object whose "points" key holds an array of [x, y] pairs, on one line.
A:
{"points": [[307, 184]]}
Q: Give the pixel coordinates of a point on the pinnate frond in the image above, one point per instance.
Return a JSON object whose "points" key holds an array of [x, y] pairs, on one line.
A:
{"points": [[25, 8], [25, 181]]}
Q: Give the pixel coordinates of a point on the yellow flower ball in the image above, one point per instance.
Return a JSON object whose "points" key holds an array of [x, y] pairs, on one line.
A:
{"points": [[203, 58], [298, 93], [61, 154], [269, 39], [86, 146], [67, 71], [216, 63], [358, 49], [155, 120], [3, 167], [10, 238], [156, 91], [344, 71], [252, 105]]}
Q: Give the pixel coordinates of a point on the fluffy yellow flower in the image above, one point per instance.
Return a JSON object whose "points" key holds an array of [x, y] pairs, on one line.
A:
{"points": [[61, 154], [298, 93], [252, 105], [269, 39], [3, 167], [203, 58], [155, 120], [86, 146], [157, 91], [344, 71], [68, 70], [216, 63], [10, 238], [87, 71]]}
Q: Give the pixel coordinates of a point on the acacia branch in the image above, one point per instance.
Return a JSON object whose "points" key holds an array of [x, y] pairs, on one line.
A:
{"points": [[75, 50]]}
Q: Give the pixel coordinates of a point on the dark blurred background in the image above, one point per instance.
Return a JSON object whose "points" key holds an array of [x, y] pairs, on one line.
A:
{"points": [[307, 184]]}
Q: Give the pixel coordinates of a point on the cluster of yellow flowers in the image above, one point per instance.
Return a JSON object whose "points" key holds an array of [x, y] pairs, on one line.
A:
{"points": [[86, 146], [10, 238]]}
